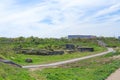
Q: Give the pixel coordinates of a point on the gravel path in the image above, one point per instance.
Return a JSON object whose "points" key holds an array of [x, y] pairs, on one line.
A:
{"points": [[68, 61], [115, 75]]}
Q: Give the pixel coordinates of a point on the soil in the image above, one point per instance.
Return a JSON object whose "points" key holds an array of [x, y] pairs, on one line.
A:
{"points": [[115, 75]]}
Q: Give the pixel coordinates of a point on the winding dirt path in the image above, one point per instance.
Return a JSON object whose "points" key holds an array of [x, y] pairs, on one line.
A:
{"points": [[68, 61]]}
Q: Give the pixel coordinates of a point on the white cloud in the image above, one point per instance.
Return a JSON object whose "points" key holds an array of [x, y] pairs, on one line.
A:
{"points": [[109, 10], [67, 16]]}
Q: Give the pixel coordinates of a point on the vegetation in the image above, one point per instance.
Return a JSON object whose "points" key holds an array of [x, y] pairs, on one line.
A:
{"points": [[98, 68], [9, 45], [110, 41], [8, 72], [91, 69], [20, 58]]}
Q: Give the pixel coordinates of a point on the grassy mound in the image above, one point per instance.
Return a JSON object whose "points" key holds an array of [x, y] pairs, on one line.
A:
{"points": [[98, 68], [8, 72]]}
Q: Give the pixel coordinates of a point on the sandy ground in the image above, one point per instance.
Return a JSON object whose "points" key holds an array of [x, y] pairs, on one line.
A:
{"points": [[115, 75]]}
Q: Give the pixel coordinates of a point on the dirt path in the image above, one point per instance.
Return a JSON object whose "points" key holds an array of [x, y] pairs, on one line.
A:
{"points": [[115, 75], [67, 61]]}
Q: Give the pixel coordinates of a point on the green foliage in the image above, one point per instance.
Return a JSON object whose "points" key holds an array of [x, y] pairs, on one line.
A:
{"points": [[111, 41], [113, 54], [92, 69], [35, 42], [98, 68], [8, 45], [8, 72], [20, 58]]}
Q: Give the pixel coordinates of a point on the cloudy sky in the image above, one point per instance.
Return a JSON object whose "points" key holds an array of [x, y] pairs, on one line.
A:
{"points": [[59, 18]]}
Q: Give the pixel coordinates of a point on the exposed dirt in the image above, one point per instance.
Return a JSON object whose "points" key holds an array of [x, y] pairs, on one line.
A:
{"points": [[116, 57], [41, 68], [115, 75]]}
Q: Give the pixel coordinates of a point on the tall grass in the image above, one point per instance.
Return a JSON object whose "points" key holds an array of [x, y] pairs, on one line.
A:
{"points": [[98, 68], [8, 72]]}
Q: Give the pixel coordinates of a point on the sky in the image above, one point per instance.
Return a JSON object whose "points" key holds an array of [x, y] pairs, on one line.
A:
{"points": [[59, 18]]}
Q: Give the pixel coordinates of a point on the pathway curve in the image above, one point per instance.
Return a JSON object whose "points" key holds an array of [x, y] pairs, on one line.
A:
{"points": [[68, 61]]}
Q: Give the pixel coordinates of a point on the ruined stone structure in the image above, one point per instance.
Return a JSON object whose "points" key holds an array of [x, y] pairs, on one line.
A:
{"points": [[70, 46], [56, 53], [41, 52], [81, 49], [28, 60]]}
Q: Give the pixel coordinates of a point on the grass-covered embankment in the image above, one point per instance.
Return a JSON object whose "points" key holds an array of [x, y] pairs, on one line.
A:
{"points": [[20, 58], [98, 68], [7, 50], [8, 72]]}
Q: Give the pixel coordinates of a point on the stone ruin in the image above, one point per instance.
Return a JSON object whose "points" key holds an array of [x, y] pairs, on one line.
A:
{"points": [[41, 52], [55, 52], [70, 46], [28, 60], [85, 49]]}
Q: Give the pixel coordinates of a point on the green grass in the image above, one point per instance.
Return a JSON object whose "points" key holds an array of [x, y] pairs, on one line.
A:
{"points": [[8, 72], [91, 69], [20, 58], [111, 41], [98, 68], [11, 44]]}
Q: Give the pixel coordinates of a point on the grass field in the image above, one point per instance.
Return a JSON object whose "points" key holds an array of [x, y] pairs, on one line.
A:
{"points": [[8, 72], [98, 68], [9, 45], [20, 58]]}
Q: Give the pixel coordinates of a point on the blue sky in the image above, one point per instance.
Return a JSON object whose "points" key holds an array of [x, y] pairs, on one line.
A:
{"points": [[59, 18]]}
